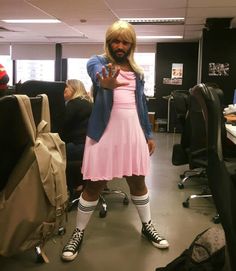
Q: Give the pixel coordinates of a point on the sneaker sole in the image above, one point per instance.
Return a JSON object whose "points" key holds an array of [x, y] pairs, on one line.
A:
{"points": [[155, 244], [69, 258], [160, 246]]}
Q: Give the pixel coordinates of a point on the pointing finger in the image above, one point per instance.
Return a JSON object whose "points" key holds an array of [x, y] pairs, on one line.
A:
{"points": [[98, 76], [104, 72], [109, 66]]}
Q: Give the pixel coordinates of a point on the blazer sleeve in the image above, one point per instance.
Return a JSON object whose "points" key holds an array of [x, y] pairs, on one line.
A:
{"points": [[94, 66]]}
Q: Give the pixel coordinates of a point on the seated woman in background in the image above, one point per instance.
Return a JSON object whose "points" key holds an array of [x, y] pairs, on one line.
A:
{"points": [[78, 109]]}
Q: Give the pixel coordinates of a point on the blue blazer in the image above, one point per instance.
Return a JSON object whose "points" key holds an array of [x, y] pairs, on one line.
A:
{"points": [[104, 101]]}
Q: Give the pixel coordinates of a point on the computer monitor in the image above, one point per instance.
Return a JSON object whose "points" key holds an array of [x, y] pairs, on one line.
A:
{"points": [[234, 100]]}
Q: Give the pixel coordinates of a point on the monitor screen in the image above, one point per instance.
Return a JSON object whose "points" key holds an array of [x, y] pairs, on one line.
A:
{"points": [[234, 100]]}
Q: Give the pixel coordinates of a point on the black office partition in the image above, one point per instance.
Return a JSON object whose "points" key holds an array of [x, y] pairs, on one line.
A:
{"points": [[219, 60], [166, 55]]}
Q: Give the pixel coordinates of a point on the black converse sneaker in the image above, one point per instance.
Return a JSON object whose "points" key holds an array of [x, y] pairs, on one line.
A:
{"points": [[149, 232], [71, 249]]}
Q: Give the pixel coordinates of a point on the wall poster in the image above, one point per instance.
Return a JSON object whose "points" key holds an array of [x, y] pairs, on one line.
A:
{"points": [[218, 69], [177, 70], [176, 75]]}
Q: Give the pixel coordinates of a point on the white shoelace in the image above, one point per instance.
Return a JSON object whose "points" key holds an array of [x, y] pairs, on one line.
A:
{"points": [[153, 232], [75, 240]]}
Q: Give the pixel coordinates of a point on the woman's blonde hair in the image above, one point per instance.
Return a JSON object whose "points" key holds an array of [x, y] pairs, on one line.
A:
{"points": [[125, 31], [78, 89]]}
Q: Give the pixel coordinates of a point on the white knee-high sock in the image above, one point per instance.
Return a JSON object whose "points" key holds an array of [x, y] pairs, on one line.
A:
{"points": [[142, 205], [84, 212]]}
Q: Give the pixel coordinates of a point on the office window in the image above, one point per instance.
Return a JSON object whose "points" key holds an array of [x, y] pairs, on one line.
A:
{"points": [[147, 62], [35, 70], [77, 70], [7, 63]]}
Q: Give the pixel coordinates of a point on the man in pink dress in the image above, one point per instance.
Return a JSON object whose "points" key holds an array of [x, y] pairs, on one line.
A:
{"points": [[119, 139]]}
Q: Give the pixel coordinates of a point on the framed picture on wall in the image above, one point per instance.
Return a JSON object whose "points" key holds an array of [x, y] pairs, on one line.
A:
{"points": [[177, 70], [218, 69]]}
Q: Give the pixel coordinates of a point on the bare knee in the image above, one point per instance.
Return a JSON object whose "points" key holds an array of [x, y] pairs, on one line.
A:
{"points": [[92, 190], [137, 185]]}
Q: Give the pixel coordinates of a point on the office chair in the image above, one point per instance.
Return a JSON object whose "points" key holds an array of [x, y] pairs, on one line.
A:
{"points": [[179, 153], [55, 93], [197, 152], [180, 99], [221, 173], [11, 147], [184, 153]]}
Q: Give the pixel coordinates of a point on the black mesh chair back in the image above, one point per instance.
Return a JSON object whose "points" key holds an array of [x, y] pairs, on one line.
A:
{"points": [[14, 136], [180, 101], [193, 136], [198, 137], [221, 178], [192, 147], [181, 106], [55, 93]]}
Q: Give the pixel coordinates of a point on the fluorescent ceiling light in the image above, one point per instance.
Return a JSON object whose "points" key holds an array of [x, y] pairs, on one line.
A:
{"points": [[177, 20], [33, 21], [159, 37]]}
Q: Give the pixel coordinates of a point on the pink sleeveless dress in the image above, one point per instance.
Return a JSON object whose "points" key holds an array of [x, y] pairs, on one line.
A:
{"points": [[122, 149]]}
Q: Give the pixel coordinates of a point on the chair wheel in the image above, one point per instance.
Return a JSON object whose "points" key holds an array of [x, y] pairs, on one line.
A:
{"points": [[185, 204], [39, 259], [40, 255], [70, 207], [180, 185], [126, 201], [103, 213], [216, 219], [61, 231]]}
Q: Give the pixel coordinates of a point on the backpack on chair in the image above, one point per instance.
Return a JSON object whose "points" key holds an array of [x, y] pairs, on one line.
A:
{"points": [[206, 253], [34, 199]]}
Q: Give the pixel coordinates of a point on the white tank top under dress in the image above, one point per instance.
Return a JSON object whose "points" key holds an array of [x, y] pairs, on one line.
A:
{"points": [[122, 149]]}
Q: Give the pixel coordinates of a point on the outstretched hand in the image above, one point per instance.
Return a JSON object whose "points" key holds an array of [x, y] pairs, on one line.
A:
{"points": [[109, 80]]}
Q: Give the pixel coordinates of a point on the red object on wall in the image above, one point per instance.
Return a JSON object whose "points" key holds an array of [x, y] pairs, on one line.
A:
{"points": [[4, 78]]}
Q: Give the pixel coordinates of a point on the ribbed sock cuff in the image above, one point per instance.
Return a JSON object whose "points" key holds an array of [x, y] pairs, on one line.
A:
{"points": [[140, 200], [86, 206]]}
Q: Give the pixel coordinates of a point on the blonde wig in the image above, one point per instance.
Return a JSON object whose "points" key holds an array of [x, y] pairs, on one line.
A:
{"points": [[78, 89], [125, 31]]}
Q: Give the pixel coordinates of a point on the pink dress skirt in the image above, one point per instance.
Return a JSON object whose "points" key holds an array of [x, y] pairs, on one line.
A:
{"points": [[122, 149]]}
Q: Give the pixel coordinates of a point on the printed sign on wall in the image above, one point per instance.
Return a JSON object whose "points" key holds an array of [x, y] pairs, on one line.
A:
{"points": [[177, 70]]}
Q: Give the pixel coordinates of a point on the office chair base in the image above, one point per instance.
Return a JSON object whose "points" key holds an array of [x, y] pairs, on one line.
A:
{"points": [[72, 204], [107, 191], [186, 202], [216, 219], [103, 211], [40, 255], [188, 174]]}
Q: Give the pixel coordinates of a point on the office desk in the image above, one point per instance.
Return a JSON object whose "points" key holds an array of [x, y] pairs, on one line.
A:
{"points": [[231, 132]]}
